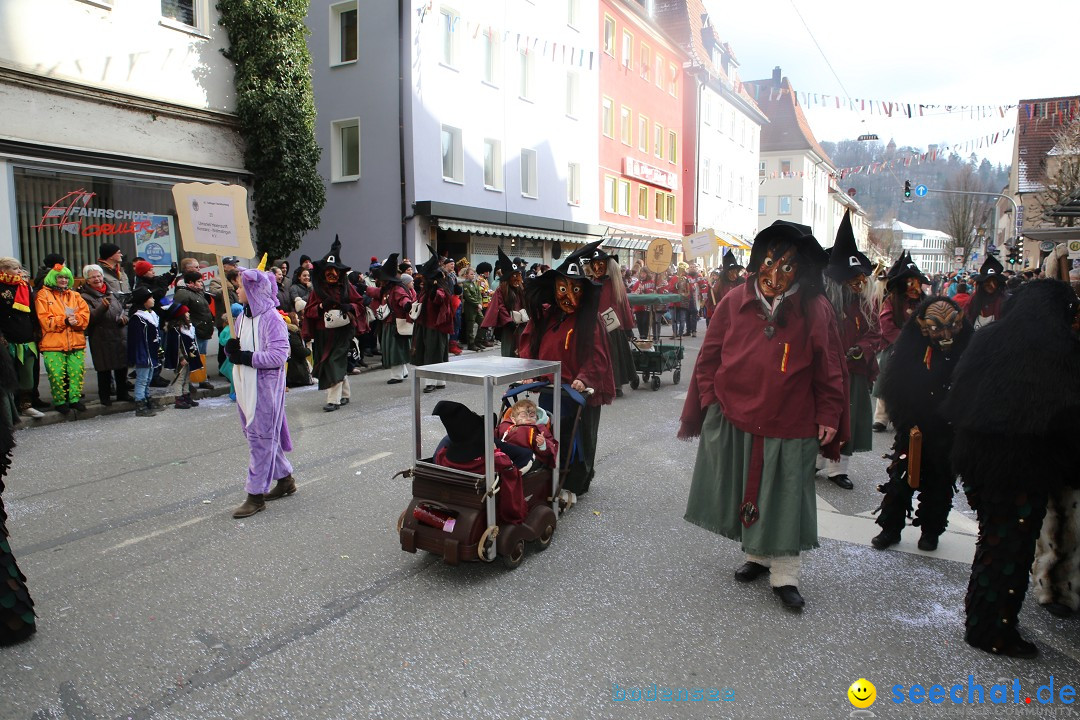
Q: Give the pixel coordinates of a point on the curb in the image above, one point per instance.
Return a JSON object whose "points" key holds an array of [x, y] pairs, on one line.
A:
{"points": [[95, 409]]}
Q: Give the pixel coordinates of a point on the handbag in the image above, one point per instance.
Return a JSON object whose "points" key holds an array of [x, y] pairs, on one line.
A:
{"points": [[383, 312], [404, 327], [414, 311], [335, 319]]}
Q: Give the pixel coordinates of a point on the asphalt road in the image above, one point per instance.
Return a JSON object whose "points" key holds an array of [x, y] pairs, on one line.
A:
{"points": [[154, 602]]}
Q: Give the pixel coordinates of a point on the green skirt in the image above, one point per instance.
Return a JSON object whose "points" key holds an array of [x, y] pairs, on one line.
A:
{"points": [[334, 344], [786, 498], [395, 348], [862, 417], [622, 362], [508, 337], [431, 346], [882, 361]]}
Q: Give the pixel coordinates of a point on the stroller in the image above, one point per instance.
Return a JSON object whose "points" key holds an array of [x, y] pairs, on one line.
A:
{"points": [[466, 501]]}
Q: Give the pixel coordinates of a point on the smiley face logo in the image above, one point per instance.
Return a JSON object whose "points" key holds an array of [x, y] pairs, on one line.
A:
{"points": [[862, 693]]}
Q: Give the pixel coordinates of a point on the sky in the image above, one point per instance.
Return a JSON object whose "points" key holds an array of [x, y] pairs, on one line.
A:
{"points": [[948, 52]]}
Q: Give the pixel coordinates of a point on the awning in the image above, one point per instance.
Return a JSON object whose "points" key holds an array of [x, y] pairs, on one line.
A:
{"points": [[638, 239], [480, 228], [732, 241]]}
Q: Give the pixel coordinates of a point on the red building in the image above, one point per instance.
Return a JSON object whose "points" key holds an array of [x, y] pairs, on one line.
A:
{"points": [[641, 126]]}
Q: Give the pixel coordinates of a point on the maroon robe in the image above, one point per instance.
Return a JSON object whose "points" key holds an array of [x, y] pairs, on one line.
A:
{"points": [[510, 507], [498, 312], [436, 312], [527, 436], [890, 326], [559, 343], [622, 311], [856, 330]]}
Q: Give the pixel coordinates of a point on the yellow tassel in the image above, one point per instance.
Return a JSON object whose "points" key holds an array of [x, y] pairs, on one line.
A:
{"points": [[566, 344], [783, 362], [262, 263], [926, 357]]}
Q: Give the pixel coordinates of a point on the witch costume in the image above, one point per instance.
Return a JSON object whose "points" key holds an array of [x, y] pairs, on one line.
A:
{"points": [[333, 300], [435, 322], [17, 617], [258, 354], [988, 300], [615, 310], [903, 293], [1015, 407], [767, 394], [504, 312], [914, 385], [398, 300], [847, 291], [564, 325]]}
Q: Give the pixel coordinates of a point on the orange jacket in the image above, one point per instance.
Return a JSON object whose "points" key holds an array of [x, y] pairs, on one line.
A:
{"points": [[56, 334]]}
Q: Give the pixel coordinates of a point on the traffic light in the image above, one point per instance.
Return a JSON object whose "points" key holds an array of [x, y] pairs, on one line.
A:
{"points": [[907, 188], [1014, 256]]}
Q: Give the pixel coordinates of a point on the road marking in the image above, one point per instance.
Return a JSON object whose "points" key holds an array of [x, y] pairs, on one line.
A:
{"points": [[373, 458], [823, 504], [857, 529], [154, 534], [679, 396]]}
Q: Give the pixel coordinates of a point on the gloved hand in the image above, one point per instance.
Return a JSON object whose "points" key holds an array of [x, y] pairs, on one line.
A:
{"points": [[854, 353], [173, 268], [241, 357], [408, 307], [233, 346]]}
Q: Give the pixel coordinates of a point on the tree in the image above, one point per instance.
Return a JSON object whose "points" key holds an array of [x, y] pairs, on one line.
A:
{"points": [[964, 214], [1062, 173], [275, 107], [885, 242]]}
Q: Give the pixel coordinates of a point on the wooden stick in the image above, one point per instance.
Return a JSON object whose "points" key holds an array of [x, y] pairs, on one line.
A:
{"points": [[914, 458]]}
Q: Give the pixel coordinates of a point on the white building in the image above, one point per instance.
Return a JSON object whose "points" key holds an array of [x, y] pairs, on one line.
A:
{"points": [[927, 247], [104, 105], [489, 139]]}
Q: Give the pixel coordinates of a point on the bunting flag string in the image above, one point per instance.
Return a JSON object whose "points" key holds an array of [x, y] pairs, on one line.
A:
{"points": [[523, 42], [1060, 111], [938, 153]]}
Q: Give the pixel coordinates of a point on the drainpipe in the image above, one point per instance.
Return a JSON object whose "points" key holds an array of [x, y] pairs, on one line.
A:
{"points": [[404, 45]]}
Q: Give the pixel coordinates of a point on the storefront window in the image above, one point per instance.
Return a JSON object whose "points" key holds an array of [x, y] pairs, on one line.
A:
{"points": [[73, 214]]}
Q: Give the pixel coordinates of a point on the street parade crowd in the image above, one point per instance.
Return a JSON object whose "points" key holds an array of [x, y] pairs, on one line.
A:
{"points": [[806, 353]]}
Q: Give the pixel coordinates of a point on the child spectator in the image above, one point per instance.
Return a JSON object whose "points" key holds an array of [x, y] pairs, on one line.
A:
{"points": [[527, 426], [182, 355], [143, 346]]}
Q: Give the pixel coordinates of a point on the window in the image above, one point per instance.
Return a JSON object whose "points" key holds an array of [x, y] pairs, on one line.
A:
{"points": [[645, 67], [525, 73], [493, 164], [572, 84], [643, 202], [742, 190], [609, 193], [185, 14], [624, 197], [670, 200], [658, 75], [573, 183], [785, 205], [528, 173], [492, 57], [573, 10], [609, 35], [706, 175], [448, 22], [706, 108], [720, 119], [345, 150], [761, 169], [643, 133], [453, 155], [673, 145], [719, 180], [343, 33], [608, 117], [659, 217], [658, 141], [673, 75], [761, 205], [627, 49], [626, 125], [785, 168]]}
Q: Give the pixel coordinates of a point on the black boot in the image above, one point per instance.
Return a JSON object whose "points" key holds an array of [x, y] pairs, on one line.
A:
{"points": [[104, 380], [790, 596]]}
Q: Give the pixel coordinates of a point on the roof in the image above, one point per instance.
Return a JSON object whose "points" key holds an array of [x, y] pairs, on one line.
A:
{"points": [[906, 229], [1038, 121], [787, 128], [687, 23]]}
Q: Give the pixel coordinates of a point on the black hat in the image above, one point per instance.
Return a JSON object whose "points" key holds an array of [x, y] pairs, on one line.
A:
{"points": [[139, 296], [464, 428], [230, 260], [845, 260], [432, 267], [800, 236], [601, 254], [303, 259], [389, 269], [505, 265], [107, 250], [990, 269], [332, 259], [730, 263], [902, 269], [53, 259]]}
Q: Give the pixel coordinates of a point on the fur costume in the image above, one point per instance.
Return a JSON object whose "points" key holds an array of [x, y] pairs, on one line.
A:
{"points": [[260, 381], [913, 386], [1056, 570], [1015, 407], [17, 615]]}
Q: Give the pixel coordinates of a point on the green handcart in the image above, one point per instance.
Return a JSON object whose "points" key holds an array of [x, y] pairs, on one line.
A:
{"points": [[652, 357]]}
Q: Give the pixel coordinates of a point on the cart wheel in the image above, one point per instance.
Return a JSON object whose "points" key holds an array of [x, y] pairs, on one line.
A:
{"points": [[544, 540], [675, 377], [656, 382], [516, 554], [401, 520], [634, 382]]}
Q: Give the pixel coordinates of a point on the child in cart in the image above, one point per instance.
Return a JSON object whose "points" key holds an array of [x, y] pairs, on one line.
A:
{"points": [[526, 425]]}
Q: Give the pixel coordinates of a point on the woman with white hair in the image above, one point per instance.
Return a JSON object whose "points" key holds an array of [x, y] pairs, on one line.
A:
{"points": [[107, 334]]}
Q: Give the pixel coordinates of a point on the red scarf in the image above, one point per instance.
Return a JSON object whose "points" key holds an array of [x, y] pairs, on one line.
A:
{"points": [[22, 292]]}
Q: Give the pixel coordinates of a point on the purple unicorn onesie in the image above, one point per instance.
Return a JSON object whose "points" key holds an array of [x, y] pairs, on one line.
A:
{"points": [[258, 353]]}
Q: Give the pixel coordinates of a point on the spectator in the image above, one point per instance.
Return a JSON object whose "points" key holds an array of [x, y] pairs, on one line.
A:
{"points": [[182, 353], [107, 334], [298, 293], [305, 262], [18, 325], [110, 261], [962, 297], [286, 281], [63, 315], [146, 276], [282, 291], [471, 313], [143, 345], [193, 296]]}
